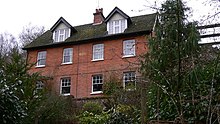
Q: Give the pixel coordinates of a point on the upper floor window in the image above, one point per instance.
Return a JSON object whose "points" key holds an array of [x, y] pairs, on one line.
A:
{"points": [[65, 86], [97, 82], [61, 34], [128, 48], [98, 52], [41, 58], [129, 81], [116, 26], [67, 55]]}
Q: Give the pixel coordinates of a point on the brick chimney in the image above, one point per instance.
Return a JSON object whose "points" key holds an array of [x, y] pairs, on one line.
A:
{"points": [[98, 16]]}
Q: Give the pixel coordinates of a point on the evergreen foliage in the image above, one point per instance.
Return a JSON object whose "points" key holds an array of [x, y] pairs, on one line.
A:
{"points": [[21, 102], [176, 71], [17, 88]]}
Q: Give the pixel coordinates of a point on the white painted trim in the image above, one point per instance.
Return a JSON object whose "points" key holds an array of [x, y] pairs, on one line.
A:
{"points": [[103, 52], [69, 33], [94, 60], [128, 56], [97, 92], [40, 66], [133, 47], [66, 94], [67, 63], [71, 57]]}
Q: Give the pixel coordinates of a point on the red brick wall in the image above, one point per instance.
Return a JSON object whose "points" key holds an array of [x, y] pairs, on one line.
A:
{"points": [[82, 68]]}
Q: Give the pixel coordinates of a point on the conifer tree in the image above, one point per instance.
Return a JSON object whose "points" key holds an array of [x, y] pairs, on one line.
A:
{"points": [[170, 58]]}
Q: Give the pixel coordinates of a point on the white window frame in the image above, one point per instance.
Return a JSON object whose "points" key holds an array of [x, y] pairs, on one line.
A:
{"points": [[129, 48], [65, 83], [98, 52], [112, 26], [67, 52], [129, 77], [39, 85], [61, 34], [97, 80], [41, 56]]}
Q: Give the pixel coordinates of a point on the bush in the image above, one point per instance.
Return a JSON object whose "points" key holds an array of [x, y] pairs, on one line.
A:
{"points": [[90, 118], [111, 85], [92, 107], [124, 114]]}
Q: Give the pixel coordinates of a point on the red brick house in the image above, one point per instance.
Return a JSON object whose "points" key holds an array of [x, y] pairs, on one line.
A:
{"points": [[79, 58]]}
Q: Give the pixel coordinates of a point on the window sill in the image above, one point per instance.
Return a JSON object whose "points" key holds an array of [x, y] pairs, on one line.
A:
{"points": [[68, 63], [40, 66], [128, 56], [97, 92], [65, 94], [94, 60]]}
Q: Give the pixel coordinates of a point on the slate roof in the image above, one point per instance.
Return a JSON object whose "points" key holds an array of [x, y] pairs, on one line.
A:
{"points": [[86, 33]]}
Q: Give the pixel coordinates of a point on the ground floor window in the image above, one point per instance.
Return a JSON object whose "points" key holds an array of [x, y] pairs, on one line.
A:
{"points": [[39, 85], [129, 81], [65, 86], [97, 82]]}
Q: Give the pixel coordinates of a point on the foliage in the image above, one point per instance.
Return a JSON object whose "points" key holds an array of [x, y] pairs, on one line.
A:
{"points": [[91, 118], [92, 107], [119, 114], [112, 85], [124, 114], [20, 102], [16, 88], [53, 109], [113, 88], [185, 84]]}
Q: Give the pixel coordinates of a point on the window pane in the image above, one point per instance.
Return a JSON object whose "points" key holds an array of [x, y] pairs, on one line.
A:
{"points": [[97, 82], [129, 80], [97, 87], [116, 22], [41, 58], [129, 48], [111, 27], [61, 34], [39, 85], [56, 36], [67, 55], [61, 38], [65, 90], [61, 31], [66, 33], [98, 51], [123, 25], [117, 29], [117, 26], [65, 85]]}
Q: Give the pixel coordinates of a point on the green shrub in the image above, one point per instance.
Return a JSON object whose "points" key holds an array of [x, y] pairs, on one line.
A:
{"points": [[92, 107], [111, 85], [90, 118]]}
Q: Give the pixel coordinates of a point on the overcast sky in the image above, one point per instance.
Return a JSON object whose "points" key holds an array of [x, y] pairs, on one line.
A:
{"points": [[15, 14]]}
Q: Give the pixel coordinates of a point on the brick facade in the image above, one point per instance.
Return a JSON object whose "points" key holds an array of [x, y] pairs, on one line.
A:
{"points": [[82, 68], [104, 34]]}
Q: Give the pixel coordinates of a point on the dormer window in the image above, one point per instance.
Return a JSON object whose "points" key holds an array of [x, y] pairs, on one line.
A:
{"points": [[61, 34], [117, 21], [117, 26], [62, 30]]}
